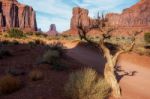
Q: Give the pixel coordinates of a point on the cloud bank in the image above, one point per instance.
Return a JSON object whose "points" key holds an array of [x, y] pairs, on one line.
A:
{"points": [[59, 12]]}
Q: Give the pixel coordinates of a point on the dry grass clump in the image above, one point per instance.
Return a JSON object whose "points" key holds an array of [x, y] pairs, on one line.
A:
{"points": [[58, 47], [85, 84], [147, 37], [36, 75], [9, 84], [16, 33], [53, 56]]}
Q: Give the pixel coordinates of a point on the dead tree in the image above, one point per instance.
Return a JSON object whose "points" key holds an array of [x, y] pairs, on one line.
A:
{"points": [[111, 60]]}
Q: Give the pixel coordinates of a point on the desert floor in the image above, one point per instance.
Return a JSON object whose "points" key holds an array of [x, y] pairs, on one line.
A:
{"points": [[133, 71]]}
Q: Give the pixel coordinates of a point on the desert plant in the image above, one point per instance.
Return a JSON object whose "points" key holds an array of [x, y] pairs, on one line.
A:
{"points": [[36, 75], [31, 44], [16, 33], [40, 34], [4, 53], [9, 84], [58, 47], [39, 42], [51, 57], [86, 84], [15, 42], [147, 37], [5, 42]]}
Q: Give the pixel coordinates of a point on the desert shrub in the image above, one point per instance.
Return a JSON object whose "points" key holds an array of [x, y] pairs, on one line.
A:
{"points": [[5, 42], [58, 47], [147, 37], [16, 33], [36, 75], [4, 53], [39, 42], [31, 44], [29, 33], [15, 42], [53, 58], [85, 84], [40, 34], [9, 84]]}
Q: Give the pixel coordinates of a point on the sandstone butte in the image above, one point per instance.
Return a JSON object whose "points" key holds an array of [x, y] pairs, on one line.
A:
{"points": [[52, 31], [16, 15], [133, 19]]}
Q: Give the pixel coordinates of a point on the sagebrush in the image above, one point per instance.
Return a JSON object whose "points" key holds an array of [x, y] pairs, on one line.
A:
{"points": [[16, 33], [86, 84]]}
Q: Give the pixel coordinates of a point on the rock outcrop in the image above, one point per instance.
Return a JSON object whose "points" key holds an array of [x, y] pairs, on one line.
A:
{"points": [[16, 15], [133, 19], [80, 18], [136, 16], [52, 31]]}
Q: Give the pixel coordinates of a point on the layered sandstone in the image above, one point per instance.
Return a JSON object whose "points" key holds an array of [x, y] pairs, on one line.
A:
{"points": [[133, 19], [52, 31], [16, 15], [80, 18], [136, 16]]}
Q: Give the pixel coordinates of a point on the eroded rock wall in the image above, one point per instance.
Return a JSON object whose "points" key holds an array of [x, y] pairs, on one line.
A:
{"points": [[16, 15]]}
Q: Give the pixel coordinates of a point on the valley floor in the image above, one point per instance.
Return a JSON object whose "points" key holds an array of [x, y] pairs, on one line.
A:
{"points": [[133, 71]]}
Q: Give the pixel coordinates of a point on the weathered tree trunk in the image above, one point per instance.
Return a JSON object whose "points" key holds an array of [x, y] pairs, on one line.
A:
{"points": [[109, 71], [109, 74], [111, 79]]}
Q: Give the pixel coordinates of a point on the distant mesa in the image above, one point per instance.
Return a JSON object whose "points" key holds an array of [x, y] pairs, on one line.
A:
{"points": [[16, 15], [135, 18], [52, 31]]}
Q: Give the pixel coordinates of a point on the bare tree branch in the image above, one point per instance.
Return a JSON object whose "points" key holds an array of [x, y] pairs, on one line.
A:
{"points": [[123, 51]]}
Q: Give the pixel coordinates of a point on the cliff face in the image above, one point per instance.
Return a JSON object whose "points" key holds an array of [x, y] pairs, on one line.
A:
{"points": [[16, 15], [136, 16], [80, 18]]}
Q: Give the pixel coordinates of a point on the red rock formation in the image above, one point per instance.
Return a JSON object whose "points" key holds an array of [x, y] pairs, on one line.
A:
{"points": [[80, 18], [136, 16], [16, 15], [52, 30]]}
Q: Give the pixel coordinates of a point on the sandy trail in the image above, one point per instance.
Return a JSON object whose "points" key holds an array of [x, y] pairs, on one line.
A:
{"points": [[133, 87]]}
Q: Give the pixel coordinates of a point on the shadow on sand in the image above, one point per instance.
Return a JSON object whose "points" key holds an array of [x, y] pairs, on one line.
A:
{"points": [[91, 56]]}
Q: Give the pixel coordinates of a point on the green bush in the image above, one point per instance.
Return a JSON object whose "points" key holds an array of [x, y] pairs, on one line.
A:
{"points": [[9, 84], [147, 37], [16, 33], [85, 84]]}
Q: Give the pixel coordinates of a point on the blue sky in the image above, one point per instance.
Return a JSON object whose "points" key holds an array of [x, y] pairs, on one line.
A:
{"points": [[59, 12]]}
